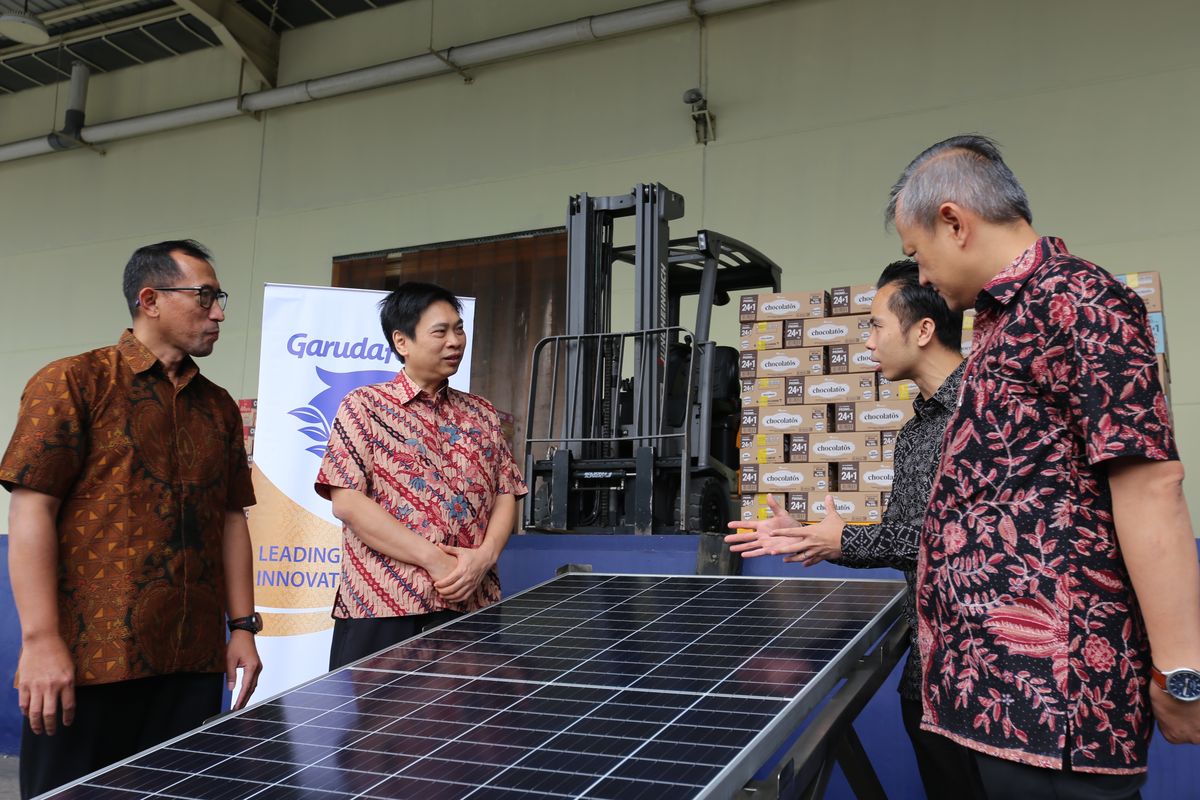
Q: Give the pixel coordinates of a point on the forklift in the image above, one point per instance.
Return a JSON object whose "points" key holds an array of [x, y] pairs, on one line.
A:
{"points": [[635, 431]]}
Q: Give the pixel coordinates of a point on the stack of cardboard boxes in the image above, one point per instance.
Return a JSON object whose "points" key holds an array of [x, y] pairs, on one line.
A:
{"points": [[816, 418]]}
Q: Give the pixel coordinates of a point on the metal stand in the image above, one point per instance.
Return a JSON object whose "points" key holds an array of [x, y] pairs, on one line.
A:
{"points": [[829, 738]]}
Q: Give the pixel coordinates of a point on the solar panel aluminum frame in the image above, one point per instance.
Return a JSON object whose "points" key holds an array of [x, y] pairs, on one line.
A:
{"points": [[737, 772]]}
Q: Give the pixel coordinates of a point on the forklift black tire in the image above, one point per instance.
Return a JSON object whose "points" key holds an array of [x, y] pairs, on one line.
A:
{"points": [[707, 506]]}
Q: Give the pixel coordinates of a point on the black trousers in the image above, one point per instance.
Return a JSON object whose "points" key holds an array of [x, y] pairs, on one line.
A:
{"points": [[948, 770], [1008, 780], [113, 721], [355, 639]]}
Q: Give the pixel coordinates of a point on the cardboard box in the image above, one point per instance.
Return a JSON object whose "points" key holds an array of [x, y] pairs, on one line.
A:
{"points": [[898, 390], [762, 335], [860, 507], [864, 476], [249, 408], [763, 391], [968, 331], [1159, 330], [748, 363], [762, 448], [837, 330], [806, 477], [887, 445], [788, 419], [754, 506], [790, 361], [793, 333], [786, 305], [1164, 372], [816, 389], [875, 416], [1148, 286], [834, 447], [851, 299], [844, 358]]}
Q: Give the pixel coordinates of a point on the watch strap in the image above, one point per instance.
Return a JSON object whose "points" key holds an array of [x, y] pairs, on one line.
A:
{"points": [[1156, 675], [252, 623]]}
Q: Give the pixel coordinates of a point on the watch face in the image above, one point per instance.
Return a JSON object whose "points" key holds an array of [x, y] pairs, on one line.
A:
{"points": [[1184, 684]]}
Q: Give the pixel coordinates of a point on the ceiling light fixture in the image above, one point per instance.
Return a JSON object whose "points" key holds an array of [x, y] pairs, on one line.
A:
{"points": [[23, 27]]}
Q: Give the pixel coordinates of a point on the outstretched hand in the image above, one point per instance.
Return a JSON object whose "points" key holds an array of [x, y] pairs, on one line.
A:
{"points": [[783, 535], [751, 533]]}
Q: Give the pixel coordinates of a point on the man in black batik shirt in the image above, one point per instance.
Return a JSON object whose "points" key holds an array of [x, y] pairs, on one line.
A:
{"points": [[914, 336]]}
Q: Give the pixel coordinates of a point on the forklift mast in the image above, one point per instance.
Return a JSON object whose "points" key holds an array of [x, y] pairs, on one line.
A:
{"points": [[635, 431]]}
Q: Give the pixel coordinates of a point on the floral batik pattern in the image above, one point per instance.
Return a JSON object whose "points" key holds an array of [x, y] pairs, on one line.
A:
{"points": [[1031, 640], [435, 462]]}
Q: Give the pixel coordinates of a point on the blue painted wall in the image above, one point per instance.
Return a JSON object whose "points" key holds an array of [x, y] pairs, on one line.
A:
{"points": [[530, 560]]}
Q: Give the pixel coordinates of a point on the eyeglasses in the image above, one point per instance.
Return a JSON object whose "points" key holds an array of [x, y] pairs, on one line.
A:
{"points": [[205, 295]]}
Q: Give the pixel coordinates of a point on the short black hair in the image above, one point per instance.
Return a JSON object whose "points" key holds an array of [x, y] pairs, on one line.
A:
{"points": [[401, 310], [153, 265], [913, 302]]}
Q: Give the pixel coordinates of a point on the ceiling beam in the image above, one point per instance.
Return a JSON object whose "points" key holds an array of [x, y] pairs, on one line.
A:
{"points": [[242, 33]]}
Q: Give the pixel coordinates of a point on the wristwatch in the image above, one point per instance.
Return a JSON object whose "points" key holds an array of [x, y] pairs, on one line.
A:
{"points": [[252, 623], [1182, 684]]}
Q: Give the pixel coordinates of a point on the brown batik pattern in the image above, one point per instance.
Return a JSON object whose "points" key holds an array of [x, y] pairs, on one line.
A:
{"points": [[146, 470]]}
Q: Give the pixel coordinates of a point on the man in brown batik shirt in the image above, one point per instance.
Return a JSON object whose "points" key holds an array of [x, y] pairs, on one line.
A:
{"points": [[128, 543]]}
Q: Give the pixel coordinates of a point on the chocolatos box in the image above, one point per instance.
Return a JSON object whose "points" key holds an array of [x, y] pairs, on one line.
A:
{"points": [[837, 330], [875, 416], [762, 335], [834, 447], [814, 389], [790, 361], [864, 476], [851, 299], [788, 419], [787, 305]]}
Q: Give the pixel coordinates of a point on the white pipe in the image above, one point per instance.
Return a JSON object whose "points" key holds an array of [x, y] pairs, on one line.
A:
{"points": [[587, 29]]}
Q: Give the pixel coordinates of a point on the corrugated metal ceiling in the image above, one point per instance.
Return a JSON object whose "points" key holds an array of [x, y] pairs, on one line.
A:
{"points": [[111, 34]]}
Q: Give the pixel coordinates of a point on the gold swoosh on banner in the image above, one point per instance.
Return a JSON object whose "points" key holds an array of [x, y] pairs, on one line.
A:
{"points": [[278, 522]]}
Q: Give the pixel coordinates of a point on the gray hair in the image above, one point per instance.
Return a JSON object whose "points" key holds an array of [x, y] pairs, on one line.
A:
{"points": [[966, 170]]}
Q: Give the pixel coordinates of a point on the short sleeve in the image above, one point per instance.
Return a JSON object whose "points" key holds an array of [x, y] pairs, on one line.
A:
{"points": [[49, 445], [348, 458], [508, 474], [1117, 405]]}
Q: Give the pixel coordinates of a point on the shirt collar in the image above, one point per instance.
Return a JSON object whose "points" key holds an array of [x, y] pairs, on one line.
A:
{"points": [[140, 359], [1005, 286], [946, 395], [409, 391]]}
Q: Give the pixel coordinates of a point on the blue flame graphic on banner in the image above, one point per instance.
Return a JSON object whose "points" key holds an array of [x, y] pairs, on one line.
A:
{"points": [[320, 411]]}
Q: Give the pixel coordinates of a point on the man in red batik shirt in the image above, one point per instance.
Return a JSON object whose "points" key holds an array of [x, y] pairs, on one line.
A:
{"points": [[1057, 579], [423, 482]]}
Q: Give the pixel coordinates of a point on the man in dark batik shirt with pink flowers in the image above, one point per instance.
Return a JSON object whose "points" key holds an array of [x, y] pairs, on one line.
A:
{"points": [[1057, 577]]}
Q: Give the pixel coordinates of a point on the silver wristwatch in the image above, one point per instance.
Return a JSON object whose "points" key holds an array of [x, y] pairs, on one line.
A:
{"points": [[1182, 684]]}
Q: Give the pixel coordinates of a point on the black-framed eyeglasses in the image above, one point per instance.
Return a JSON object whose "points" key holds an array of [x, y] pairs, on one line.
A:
{"points": [[205, 295]]}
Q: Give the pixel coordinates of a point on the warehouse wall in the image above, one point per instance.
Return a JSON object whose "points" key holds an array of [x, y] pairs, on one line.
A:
{"points": [[819, 104]]}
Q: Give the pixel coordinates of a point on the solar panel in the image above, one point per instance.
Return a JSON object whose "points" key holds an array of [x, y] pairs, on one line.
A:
{"points": [[587, 686]]}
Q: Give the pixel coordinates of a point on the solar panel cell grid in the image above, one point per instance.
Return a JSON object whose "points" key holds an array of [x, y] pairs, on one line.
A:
{"points": [[588, 686]]}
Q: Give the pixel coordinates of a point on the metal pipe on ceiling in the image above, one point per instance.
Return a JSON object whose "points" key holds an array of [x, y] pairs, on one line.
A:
{"points": [[586, 29]]}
